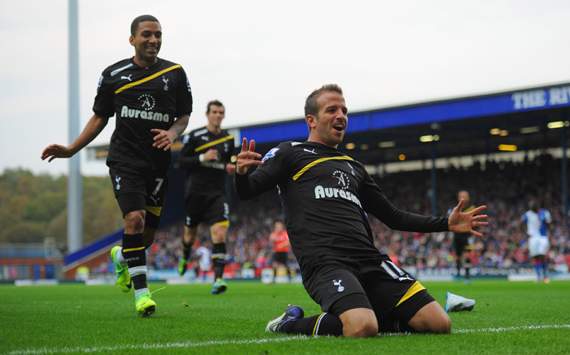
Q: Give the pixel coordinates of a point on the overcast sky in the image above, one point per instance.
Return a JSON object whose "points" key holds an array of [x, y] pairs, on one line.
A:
{"points": [[261, 58]]}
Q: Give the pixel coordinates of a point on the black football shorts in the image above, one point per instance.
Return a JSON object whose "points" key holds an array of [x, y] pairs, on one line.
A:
{"points": [[393, 294], [142, 190], [206, 208]]}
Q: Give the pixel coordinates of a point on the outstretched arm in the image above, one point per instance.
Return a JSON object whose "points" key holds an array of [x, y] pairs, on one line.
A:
{"points": [[93, 127], [376, 202]]}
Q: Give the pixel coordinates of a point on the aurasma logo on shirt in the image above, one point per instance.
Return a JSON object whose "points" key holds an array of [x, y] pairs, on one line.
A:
{"points": [[127, 112], [333, 192]]}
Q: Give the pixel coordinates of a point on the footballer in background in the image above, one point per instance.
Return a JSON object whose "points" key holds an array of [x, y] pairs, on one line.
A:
{"points": [[206, 157], [536, 222], [204, 265], [462, 241], [281, 247]]}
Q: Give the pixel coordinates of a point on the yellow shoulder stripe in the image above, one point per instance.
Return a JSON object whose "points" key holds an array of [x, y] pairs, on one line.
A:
{"points": [[318, 161], [415, 288], [148, 78], [213, 143]]}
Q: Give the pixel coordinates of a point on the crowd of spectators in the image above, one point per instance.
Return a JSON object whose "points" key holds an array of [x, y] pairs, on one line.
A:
{"points": [[505, 187]]}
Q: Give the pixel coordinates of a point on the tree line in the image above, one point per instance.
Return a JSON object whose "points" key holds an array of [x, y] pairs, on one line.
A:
{"points": [[34, 207]]}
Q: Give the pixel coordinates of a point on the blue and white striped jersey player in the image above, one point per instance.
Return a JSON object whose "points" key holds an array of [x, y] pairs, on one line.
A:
{"points": [[536, 221]]}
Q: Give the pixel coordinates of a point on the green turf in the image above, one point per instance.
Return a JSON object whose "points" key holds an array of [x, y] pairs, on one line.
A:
{"points": [[102, 319]]}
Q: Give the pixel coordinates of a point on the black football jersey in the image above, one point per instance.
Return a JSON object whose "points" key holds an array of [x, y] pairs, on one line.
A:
{"points": [[207, 177], [141, 99], [326, 196]]}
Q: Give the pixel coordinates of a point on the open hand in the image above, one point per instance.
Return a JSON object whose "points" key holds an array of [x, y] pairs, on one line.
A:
{"points": [[466, 222], [53, 151]]}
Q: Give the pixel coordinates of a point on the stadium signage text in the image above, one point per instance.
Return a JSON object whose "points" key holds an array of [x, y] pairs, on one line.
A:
{"points": [[541, 98]]}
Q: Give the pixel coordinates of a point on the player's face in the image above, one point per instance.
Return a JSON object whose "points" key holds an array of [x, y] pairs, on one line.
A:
{"points": [[147, 41], [331, 122], [216, 115]]}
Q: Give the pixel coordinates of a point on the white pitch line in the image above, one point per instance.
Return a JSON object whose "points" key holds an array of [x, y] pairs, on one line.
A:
{"points": [[512, 329], [188, 344], [156, 346]]}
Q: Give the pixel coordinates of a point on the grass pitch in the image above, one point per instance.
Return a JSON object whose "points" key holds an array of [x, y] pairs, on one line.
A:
{"points": [[509, 318]]}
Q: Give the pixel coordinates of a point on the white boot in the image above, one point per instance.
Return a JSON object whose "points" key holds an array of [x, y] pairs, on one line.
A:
{"points": [[456, 303]]}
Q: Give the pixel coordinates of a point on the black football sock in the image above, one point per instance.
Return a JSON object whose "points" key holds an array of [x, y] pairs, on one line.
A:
{"points": [[219, 259], [135, 256], [322, 324], [186, 250]]}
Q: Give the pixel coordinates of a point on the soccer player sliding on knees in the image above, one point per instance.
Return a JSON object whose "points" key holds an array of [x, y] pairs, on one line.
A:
{"points": [[327, 197]]}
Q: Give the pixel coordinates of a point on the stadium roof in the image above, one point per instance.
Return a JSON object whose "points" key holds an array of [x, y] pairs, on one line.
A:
{"points": [[512, 120]]}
